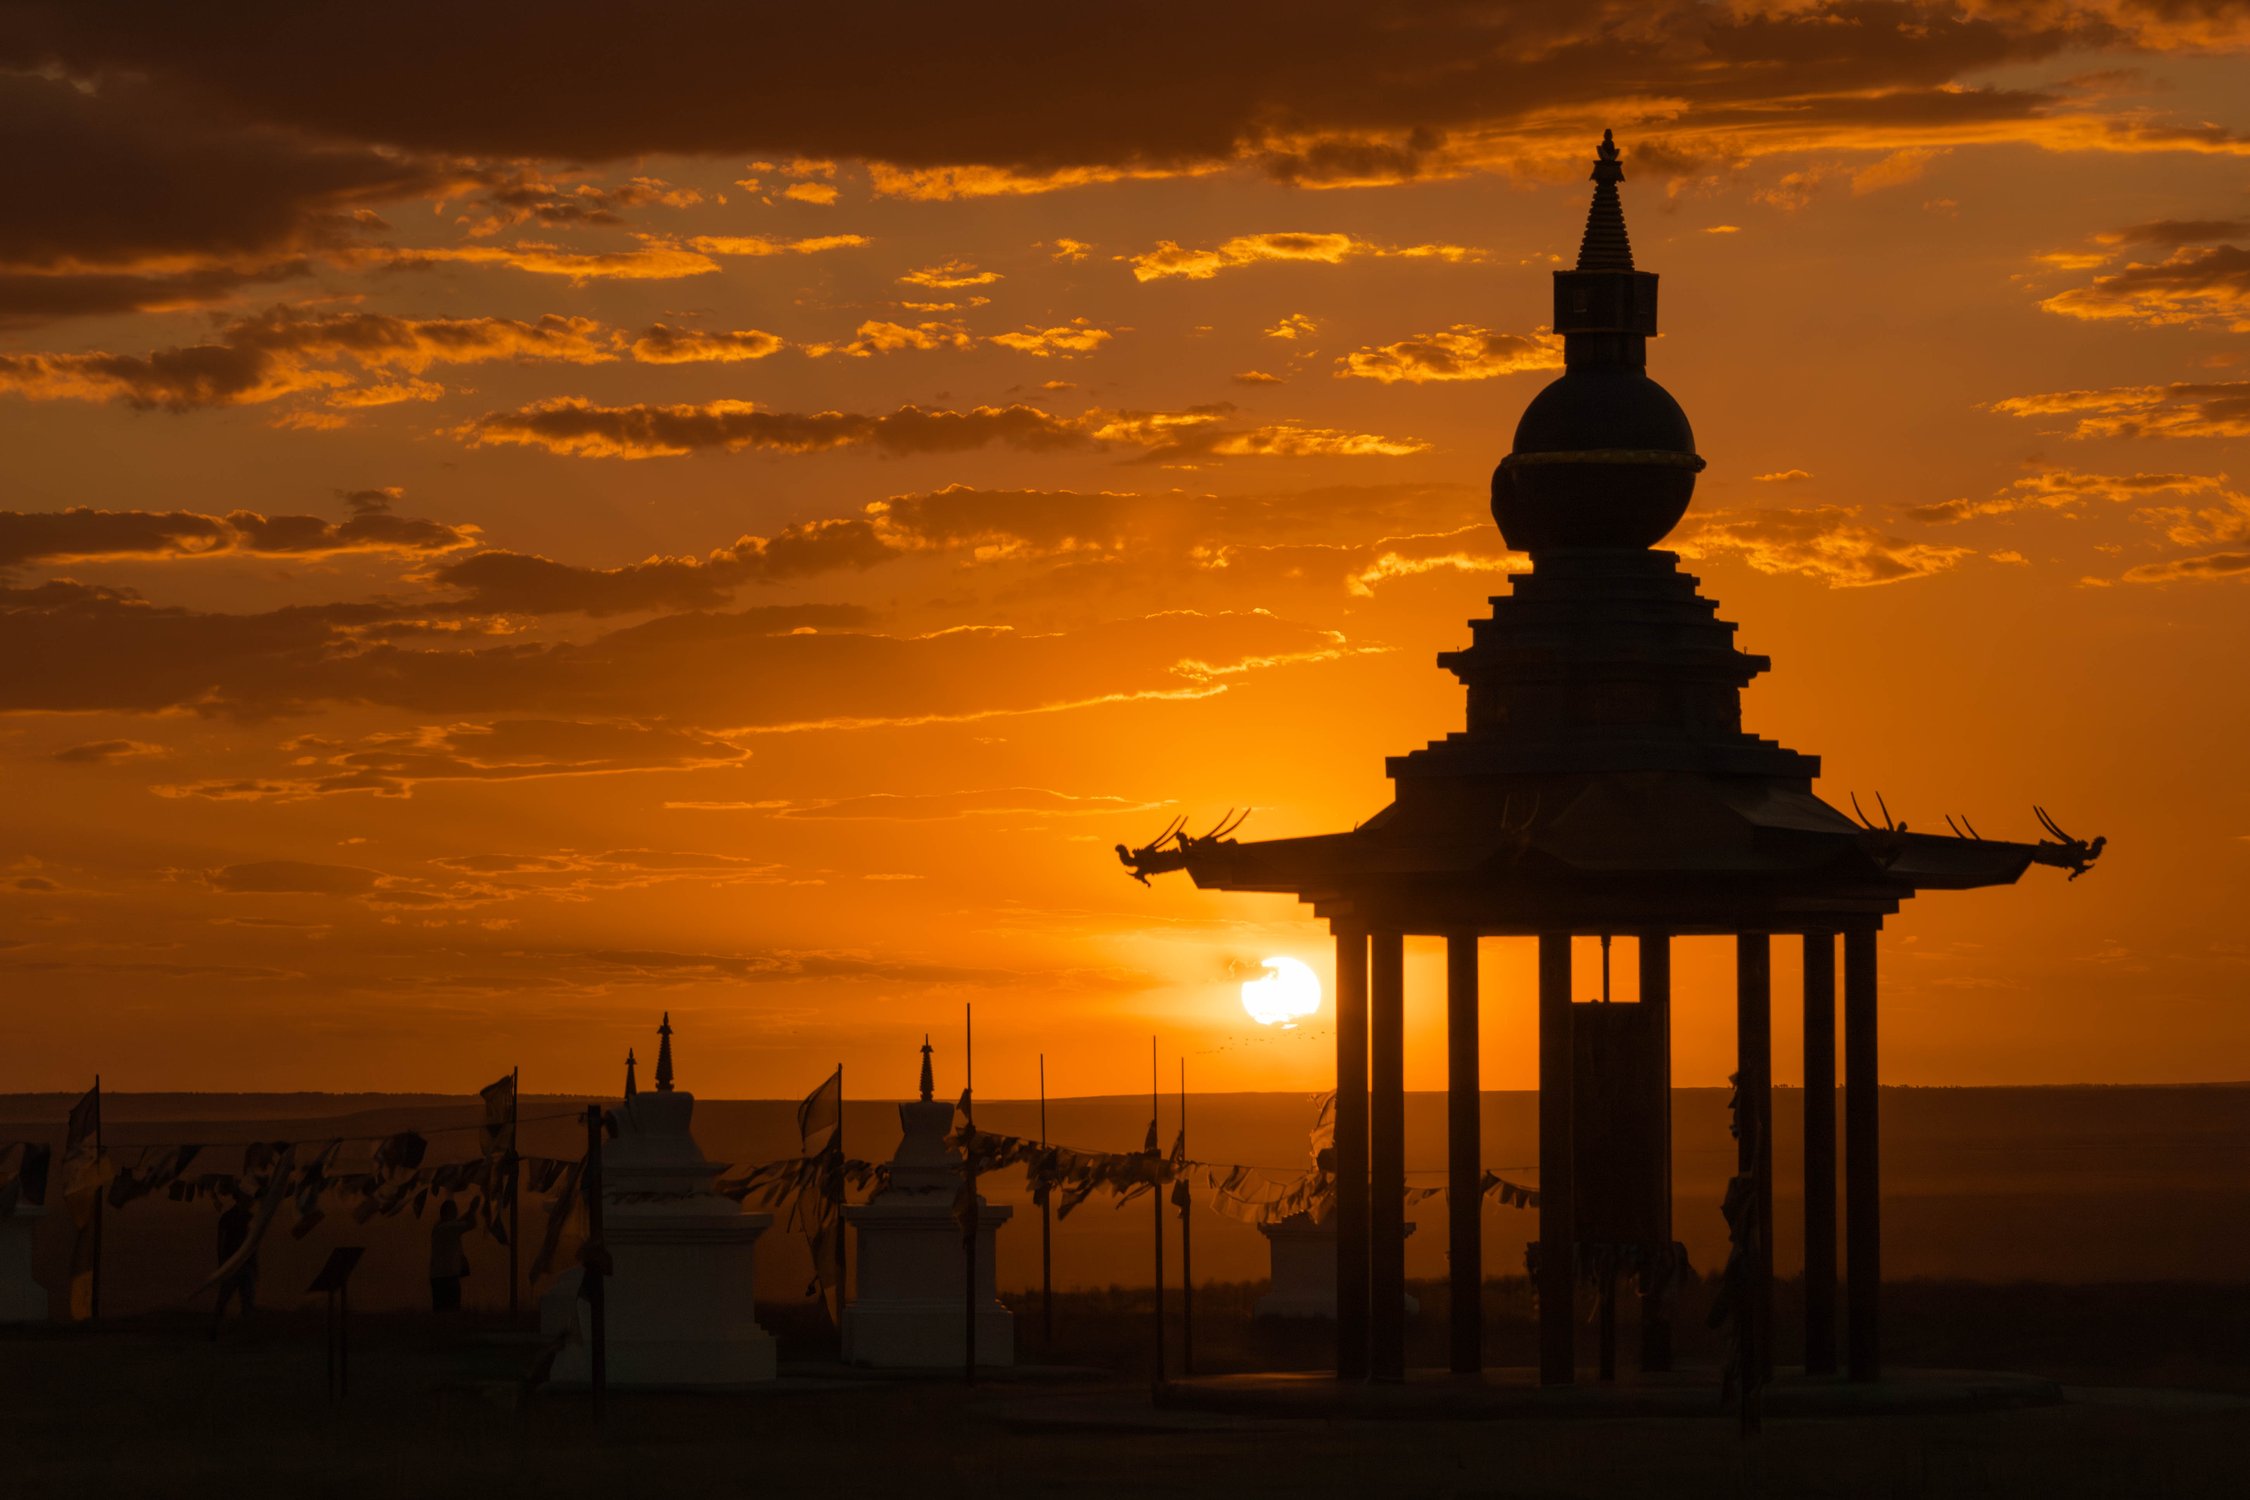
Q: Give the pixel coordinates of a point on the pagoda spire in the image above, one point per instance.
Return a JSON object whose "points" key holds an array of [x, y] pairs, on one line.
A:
{"points": [[630, 1087], [1605, 247], [929, 1083], [664, 1055]]}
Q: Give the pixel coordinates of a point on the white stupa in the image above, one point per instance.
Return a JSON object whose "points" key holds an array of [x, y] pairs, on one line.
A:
{"points": [[911, 1310], [680, 1301]]}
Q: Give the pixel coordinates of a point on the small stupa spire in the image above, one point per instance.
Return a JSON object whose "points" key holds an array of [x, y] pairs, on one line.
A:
{"points": [[630, 1087], [1605, 247], [929, 1082], [664, 1055]]}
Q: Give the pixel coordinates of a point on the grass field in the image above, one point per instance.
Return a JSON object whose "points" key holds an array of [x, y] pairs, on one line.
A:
{"points": [[151, 1406]]}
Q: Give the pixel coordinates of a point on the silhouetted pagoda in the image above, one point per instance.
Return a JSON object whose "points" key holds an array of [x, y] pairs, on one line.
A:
{"points": [[1604, 785]]}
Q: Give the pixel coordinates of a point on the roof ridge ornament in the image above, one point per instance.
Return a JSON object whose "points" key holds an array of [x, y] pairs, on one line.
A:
{"points": [[1605, 246]]}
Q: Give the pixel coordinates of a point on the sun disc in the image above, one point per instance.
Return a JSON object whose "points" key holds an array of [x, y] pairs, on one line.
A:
{"points": [[1286, 992]]}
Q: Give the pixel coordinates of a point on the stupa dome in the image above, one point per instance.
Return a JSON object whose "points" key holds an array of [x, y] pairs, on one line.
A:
{"points": [[1603, 457]]}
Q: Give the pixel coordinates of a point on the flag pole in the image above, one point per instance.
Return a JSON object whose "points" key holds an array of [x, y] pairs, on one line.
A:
{"points": [[971, 1226], [515, 1197], [1156, 1194], [1187, 1275], [1046, 1228], [94, 1305], [837, 1145]]}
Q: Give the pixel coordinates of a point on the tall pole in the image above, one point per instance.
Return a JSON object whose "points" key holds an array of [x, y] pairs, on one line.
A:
{"points": [[597, 1260], [1753, 1020], [1386, 1156], [1351, 1153], [1863, 1179], [972, 1220], [1558, 1249], [1187, 1264], [843, 1264], [1464, 1170], [1046, 1228], [1656, 1008], [1156, 1178], [515, 1196], [1820, 1153], [94, 1302]]}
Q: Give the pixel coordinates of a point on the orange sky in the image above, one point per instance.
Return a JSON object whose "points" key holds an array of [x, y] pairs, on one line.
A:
{"points": [[515, 523]]}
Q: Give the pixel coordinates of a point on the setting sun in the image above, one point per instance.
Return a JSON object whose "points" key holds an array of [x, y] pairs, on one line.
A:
{"points": [[1284, 995]]}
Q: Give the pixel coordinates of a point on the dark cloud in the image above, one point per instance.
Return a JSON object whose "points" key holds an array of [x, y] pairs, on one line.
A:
{"points": [[80, 534], [2170, 234], [288, 351], [575, 426], [500, 582], [2208, 568], [134, 194], [293, 877], [1322, 90], [2207, 285], [105, 752]]}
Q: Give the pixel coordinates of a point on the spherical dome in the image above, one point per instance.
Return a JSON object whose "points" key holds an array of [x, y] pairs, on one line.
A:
{"points": [[1604, 457]]}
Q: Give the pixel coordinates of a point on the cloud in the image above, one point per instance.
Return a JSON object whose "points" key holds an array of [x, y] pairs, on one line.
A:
{"points": [[2205, 286], [2063, 489], [529, 198], [84, 535], [1295, 326], [134, 198], [950, 276], [1168, 259], [286, 351], [292, 877], [1825, 542], [497, 582], [2172, 233], [2182, 409], [1784, 476], [574, 426], [1256, 377], [1078, 336], [106, 752], [918, 807], [762, 245], [393, 764], [654, 259], [2209, 568], [662, 344], [878, 336], [1462, 352]]}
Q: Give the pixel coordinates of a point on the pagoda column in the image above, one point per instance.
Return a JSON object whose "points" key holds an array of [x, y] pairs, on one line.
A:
{"points": [[1464, 1167], [1386, 1157], [1558, 1249], [1656, 1002], [1350, 1218], [1863, 1179], [1753, 1042], [1820, 1153]]}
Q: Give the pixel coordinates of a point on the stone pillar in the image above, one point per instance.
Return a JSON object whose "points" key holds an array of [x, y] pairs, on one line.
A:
{"points": [[1351, 1153], [1558, 1250], [1863, 1179], [1820, 1153], [1464, 1165], [1386, 1157], [1656, 999], [1753, 1041]]}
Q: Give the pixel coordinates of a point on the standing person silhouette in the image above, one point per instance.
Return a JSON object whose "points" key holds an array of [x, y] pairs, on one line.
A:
{"points": [[242, 1286], [448, 1262]]}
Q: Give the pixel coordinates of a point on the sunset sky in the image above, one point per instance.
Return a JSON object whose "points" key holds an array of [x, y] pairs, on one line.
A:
{"points": [[519, 518]]}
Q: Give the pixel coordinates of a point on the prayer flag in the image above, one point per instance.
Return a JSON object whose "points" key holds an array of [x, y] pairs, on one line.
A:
{"points": [[820, 1119], [84, 1179], [499, 1132]]}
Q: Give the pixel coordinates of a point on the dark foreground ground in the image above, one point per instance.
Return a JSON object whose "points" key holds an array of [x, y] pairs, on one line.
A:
{"points": [[2158, 1379]]}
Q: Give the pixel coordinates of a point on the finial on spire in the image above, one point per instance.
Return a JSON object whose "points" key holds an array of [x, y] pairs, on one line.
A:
{"points": [[929, 1083], [664, 1055], [1605, 247], [630, 1087]]}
